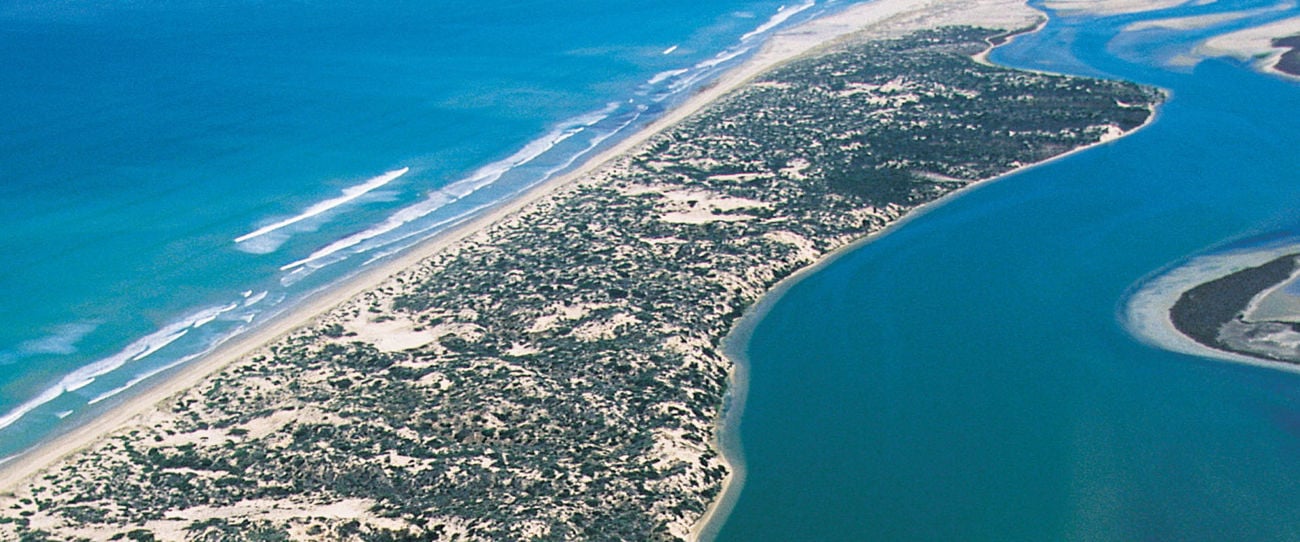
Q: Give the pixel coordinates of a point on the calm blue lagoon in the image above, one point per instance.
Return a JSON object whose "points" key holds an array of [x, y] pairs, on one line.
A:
{"points": [[968, 376], [175, 173]]}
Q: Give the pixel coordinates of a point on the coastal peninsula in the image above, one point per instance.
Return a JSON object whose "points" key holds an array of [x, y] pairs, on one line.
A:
{"points": [[557, 375]]}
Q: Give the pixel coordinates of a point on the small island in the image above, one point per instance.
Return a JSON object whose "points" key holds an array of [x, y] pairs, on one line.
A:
{"points": [[1249, 312], [558, 374]]}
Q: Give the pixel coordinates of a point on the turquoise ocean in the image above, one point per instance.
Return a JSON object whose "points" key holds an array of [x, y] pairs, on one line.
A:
{"points": [[175, 173], [969, 375]]}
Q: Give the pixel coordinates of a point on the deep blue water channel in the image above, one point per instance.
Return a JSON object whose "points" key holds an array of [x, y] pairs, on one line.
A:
{"points": [[966, 376]]}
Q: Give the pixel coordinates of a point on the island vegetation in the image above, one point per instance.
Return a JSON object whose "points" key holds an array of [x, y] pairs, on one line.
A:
{"points": [[1218, 313]]}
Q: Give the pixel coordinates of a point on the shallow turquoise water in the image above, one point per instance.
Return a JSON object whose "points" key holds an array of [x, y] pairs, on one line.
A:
{"points": [[967, 376], [140, 140]]}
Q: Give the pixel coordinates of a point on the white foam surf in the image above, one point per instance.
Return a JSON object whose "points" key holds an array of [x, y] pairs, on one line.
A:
{"points": [[475, 181], [666, 75], [253, 299], [137, 350], [141, 378], [783, 14], [409, 239], [350, 194], [159, 345], [722, 57]]}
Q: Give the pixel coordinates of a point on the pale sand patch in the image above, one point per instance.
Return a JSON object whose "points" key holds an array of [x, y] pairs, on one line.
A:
{"points": [[703, 216], [670, 447], [1112, 133], [392, 333], [560, 312], [702, 206], [1275, 304], [1197, 22], [263, 427], [737, 177], [711, 199], [795, 169], [603, 330], [1110, 7], [522, 349], [802, 244], [1254, 45], [198, 437]]}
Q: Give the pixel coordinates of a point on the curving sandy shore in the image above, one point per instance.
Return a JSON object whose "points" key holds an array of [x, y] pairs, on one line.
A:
{"points": [[1146, 313], [1009, 15]]}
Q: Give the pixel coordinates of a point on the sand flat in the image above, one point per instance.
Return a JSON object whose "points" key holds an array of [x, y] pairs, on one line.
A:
{"points": [[1254, 45]]}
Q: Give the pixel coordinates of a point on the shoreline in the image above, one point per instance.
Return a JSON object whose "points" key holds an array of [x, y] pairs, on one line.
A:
{"points": [[782, 47], [735, 343], [778, 49]]}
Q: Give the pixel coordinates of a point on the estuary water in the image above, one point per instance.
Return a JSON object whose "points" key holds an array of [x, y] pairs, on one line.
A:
{"points": [[175, 173], [968, 375]]}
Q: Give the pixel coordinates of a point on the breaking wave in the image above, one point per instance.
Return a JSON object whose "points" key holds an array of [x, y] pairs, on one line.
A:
{"points": [[350, 194], [783, 14], [136, 351]]}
